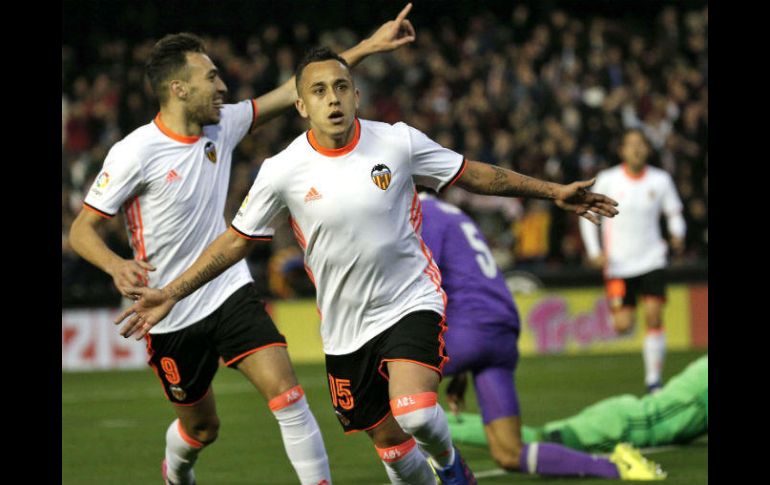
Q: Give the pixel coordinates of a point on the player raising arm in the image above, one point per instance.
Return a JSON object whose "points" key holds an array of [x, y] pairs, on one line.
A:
{"points": [[170, 178], [348, 186]]}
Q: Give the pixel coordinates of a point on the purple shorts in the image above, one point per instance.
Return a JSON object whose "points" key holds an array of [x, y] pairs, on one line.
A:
{"points": [[491, 356]]}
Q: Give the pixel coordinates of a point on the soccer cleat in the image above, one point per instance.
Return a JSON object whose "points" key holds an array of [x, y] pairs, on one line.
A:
{"points": [[654, 387], [457, 473], [633, 466], [164, 473]]}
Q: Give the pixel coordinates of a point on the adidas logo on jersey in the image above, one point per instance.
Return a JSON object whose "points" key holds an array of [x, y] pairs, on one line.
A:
{"points": [[312, 194], [172, 176]]}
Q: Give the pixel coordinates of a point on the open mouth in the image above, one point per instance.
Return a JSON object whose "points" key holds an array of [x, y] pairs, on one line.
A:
{"points": [[336, 117]]}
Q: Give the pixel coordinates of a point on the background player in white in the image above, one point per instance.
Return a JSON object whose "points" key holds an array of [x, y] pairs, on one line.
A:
{"points": [[632, 251], [349, 188], [170, 178]]}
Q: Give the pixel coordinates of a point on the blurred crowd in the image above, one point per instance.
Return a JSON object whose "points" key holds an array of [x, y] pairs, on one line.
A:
{"points": [[546, 95]]}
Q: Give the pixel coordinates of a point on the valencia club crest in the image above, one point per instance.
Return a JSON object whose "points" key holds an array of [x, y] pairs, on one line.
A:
{"points": [[381, 176], [211, 152]]}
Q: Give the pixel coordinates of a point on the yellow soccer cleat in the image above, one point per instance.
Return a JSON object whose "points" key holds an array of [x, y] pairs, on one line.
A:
{"points": [[633, 466]]}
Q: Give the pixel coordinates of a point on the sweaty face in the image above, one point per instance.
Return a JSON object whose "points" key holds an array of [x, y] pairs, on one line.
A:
{"points": [[328, 97], [205, 90], [634, 150]]}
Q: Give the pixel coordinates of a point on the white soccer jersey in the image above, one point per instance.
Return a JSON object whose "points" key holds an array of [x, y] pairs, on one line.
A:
{"points": [[356, 214], [172, 190], [631, 240]]}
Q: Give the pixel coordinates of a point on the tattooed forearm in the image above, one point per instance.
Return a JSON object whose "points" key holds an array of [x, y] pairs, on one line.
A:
{"points": [[211, 270], [487, 179]]}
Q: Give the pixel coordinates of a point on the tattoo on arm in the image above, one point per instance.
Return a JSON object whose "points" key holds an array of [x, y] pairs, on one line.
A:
{"points": [[508, 183], [212, 269]]}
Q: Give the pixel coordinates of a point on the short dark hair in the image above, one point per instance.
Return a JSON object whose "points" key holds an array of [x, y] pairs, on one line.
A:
{"points": [[638, 131], [168, 56], [317, 54]]}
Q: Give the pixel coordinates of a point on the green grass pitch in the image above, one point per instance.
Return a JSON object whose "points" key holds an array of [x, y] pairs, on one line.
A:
{"points": [[113, 425]]}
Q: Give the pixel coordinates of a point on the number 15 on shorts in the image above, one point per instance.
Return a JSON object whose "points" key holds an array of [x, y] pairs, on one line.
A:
{"points": [[341, 396]]}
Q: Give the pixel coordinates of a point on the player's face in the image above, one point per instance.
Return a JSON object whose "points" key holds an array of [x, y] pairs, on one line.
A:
{"points": [[206, 90], [634, 150], [328, 97]]}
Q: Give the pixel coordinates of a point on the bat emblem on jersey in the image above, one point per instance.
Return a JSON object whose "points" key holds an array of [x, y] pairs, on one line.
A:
{"points": [[178, 392], [211, 152], [381, 176]]}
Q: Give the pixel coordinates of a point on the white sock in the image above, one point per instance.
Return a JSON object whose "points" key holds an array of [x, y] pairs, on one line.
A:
{"points": [[301, 437], [421, 416], [181, 453], [654, 353], [406, 465]]}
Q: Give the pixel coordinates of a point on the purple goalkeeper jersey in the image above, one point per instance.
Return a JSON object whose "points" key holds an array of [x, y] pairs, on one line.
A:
{"points": [[478, 298]]}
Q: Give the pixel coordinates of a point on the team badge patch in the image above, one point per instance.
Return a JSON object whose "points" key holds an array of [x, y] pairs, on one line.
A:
{"points": [[211, 152], [381, 176], [178, 393]]}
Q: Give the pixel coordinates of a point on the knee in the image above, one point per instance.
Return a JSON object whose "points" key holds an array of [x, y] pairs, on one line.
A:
{"points": [[507, 459], [414, 421], [205, 431], [623, 323]]}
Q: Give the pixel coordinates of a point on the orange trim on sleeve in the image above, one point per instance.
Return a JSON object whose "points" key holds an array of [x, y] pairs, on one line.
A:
{"points": [[456, 177], [97, 211], [395, 453], [188, 439], [413, 402], [254, 112], [250, 238], [174, 136], [249, 352], [286, 398], [335, 152]]}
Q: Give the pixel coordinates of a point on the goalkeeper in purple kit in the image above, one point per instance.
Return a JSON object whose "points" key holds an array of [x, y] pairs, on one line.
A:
{"points": [[482, 338]]}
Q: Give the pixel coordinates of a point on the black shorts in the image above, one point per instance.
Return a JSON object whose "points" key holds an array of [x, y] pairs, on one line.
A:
{"points": [[623, 292], [186, 360], [358, 382]]}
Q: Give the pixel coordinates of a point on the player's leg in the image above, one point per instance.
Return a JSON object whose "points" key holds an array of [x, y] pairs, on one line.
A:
{"points": [[499, 403], [403, 461], [186, 365], [621, 296], [652, 289], [413, 357], [359, 394], [196, 426], [271, 372], [247, 339]]}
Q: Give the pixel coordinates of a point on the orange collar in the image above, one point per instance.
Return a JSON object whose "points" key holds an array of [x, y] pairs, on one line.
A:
{"points": [[174, 136], [335, 152], [631, 174]]}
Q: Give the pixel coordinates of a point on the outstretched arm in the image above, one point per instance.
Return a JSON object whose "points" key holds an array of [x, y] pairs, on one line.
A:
{"points": [[486, 179], [153, 304], [391, 35]]}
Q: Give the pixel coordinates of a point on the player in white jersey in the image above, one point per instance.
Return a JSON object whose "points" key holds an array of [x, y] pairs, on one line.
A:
{"points": [[170, 178], [632, 251], [348, 186]]}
